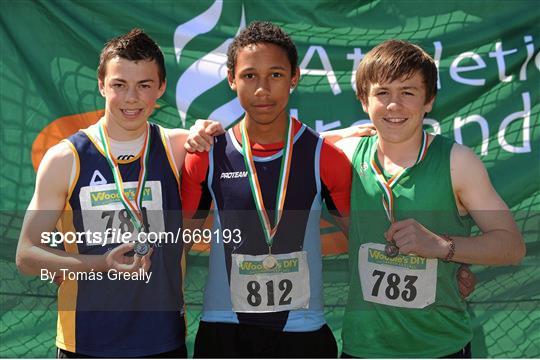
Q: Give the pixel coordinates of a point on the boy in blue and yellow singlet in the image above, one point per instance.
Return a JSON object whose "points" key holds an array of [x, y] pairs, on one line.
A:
{"points": [[414, 198], [119, 176]]}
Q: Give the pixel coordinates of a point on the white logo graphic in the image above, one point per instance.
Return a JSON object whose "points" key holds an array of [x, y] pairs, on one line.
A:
{"points": [[233, 175], [208, 71], [97, 179]]}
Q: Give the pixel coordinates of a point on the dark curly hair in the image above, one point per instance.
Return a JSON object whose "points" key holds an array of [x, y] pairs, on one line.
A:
{"points": [[262, 32], [134, 45]]}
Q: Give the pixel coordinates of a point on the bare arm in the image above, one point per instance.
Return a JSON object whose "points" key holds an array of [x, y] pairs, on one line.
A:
{"points": [[348, 146], [44, 210], [333, 136], [177, 139], [500, 242]]}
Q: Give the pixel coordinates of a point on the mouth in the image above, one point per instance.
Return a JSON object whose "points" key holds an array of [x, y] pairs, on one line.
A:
{"points": [[395, 120], [131, 113], [263, 106]]}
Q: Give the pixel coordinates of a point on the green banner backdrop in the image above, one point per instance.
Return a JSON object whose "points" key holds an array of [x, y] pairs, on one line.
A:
{"points": [[489, 99]]}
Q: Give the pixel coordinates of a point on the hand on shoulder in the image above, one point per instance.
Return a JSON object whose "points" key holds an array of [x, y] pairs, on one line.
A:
{"points": [[201, 135]]}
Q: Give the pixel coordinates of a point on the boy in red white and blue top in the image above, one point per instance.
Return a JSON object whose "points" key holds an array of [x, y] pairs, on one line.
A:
{"points": [[268, 177]]}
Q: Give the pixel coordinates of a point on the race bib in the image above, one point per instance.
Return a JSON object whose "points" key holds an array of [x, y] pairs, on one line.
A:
{"points": [[407, 281], [102, 209], [257, 289]]}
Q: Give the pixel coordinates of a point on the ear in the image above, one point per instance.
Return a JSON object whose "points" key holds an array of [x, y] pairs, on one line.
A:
{"points": [[429, 105], [231, 80], [162, 89], [295, 78], [364, 105], [101, 87]]}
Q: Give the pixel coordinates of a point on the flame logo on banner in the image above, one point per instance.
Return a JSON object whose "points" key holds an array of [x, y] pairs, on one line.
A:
{"points": [[208, 71]]}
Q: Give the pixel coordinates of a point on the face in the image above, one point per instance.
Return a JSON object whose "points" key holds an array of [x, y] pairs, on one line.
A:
{"points": [[263, 82], [130, 89], [397, 108]]}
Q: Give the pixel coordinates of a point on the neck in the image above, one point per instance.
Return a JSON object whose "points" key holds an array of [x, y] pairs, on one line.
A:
{"points": [[402, 154], [271, 133], [117, 133]]}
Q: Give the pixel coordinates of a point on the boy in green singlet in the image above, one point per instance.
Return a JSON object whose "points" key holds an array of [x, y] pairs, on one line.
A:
{"points": [[413, 201]]}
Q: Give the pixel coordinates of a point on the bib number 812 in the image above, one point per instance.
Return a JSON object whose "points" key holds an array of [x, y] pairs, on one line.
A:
{"points": [[254, 298], [392, 291]]}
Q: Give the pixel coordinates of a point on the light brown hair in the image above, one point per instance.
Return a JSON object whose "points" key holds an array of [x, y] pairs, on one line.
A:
{"points": [[392, 60]]}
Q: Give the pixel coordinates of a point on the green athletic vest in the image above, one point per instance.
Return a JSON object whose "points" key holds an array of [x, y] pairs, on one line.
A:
{"points": [[425, 194]]}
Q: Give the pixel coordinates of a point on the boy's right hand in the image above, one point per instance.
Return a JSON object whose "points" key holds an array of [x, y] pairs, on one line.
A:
{"points": [[201, 135], [118, 260]]}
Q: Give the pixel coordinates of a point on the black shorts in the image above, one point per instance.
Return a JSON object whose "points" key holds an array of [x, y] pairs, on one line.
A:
{"points": [[464, 353], [221, 340], [180, 353]]}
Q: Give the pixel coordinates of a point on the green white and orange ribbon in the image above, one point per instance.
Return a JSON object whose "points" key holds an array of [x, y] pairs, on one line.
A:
{"points": [[285, 169], [388, 186], [134, 208]]}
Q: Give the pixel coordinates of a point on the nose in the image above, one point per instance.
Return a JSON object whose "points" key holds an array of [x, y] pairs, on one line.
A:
{"points": [[131, 94], [394, 103], [263, 87]]}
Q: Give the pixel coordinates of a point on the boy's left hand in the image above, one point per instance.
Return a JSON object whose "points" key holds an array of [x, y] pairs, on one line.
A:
{"points": [[201, 135]]}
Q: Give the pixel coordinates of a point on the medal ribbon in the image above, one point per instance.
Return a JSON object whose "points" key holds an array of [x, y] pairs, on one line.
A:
{"points": [[387, 186], [285, 169], [134, 208]]}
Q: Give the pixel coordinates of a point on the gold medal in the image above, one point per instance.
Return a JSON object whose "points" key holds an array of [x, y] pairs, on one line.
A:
{"points": [[269, 262]]}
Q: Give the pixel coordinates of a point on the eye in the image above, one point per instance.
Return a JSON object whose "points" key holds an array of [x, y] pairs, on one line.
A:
{"points": [[408, 93], [277, 75], [248, 76], [145, 86], [381, 92], [117, 85]]}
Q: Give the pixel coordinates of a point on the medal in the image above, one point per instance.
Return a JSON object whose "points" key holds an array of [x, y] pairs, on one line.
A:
{"points": [[269, 262], [269, 232], [141, 248], [391, 249], [132, 206]]}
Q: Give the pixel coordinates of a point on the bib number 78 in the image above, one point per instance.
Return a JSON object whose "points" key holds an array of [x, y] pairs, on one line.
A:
{"points": [[392, 290]]}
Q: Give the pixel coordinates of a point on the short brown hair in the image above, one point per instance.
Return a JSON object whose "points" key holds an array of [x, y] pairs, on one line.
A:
{"points": [[392, 60], [134, 45]]}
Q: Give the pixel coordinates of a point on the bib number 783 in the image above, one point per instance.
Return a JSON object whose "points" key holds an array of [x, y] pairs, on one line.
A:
{"points": [[391, 287], [407, 281]]}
